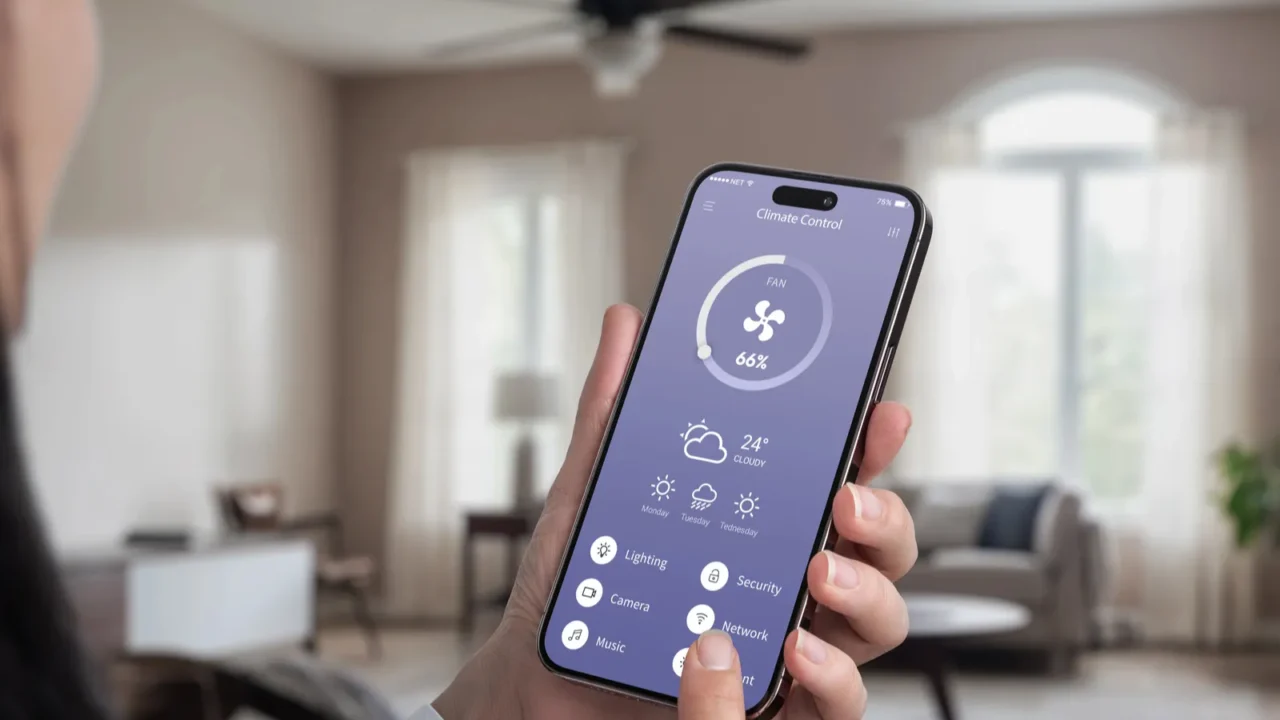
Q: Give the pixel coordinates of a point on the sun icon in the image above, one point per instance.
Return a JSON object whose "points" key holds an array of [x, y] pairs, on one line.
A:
{"points": [[746, 505], [692, 428], [663, 488]]}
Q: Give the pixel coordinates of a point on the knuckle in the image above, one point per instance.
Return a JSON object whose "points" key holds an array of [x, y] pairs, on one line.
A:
{"points": [[903, 529], [849, 699], [891, 497], [898, 513], [898, 622], [890, 612], [859, 697], [910, 555]]}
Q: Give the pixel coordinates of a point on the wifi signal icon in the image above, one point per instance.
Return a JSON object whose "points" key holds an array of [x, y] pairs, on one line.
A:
{"points": [[750, 183], [700, 619]]}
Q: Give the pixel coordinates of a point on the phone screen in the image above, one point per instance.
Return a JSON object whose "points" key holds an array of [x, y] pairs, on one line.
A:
{"points": [[731, 432]]}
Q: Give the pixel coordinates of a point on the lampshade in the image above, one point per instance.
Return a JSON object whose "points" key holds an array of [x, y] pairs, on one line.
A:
{"points": [[525, 396]]}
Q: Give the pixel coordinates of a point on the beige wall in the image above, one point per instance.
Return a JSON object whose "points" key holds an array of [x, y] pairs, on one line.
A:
{"points": [[179, 333], [840, 111]]}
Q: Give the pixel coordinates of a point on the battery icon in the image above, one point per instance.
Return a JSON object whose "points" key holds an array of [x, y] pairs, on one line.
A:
{"points": [[899, 203]]}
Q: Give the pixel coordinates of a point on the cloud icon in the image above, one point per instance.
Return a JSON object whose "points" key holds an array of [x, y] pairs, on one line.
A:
{"points": [[704, 445], [703, 496]]}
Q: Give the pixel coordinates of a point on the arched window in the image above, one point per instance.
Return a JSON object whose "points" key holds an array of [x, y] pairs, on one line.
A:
{"points": [[1043, 242], [1071, 122], [1085, 316]]}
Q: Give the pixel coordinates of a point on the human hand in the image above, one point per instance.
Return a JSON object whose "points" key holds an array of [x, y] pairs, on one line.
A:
{"points": [[861, 614], [711, 681]]}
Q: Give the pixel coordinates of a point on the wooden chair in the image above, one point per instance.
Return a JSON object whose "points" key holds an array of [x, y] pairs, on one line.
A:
{"points": [[259, 507]]}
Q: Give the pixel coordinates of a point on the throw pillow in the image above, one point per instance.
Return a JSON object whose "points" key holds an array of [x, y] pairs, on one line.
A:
{"points": [[1010, 520], [949, 516]]}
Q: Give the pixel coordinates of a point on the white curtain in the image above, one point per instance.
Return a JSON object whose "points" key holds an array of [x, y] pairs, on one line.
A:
{"points": [[447, 452], [949, 433], [590, 258], [1197, 352], [1199, 375]]}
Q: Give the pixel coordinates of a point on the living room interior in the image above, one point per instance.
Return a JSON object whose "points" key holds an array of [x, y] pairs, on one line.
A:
{"points": [[307, 336]]}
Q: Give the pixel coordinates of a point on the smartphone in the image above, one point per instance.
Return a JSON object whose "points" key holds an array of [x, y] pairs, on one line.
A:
{"points": [[768, 340]]}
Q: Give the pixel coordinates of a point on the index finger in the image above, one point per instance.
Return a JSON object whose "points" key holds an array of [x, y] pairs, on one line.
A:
{"points": [[618, 334], [711, 681], [886, 431]]}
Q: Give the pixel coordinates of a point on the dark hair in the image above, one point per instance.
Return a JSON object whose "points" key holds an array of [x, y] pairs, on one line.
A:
{"points": [[43, 670]]}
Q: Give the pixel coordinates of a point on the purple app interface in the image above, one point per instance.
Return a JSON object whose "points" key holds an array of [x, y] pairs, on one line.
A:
{"points": [[713, 486]]}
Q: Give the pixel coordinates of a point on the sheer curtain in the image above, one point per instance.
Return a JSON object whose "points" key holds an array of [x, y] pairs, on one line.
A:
{"points": [[448, 451], [949, 434], [1198, 379], [590, 256], [970, 386]]}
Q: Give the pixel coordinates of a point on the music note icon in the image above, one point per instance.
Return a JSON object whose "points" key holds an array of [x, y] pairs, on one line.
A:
{"points": [[574, 635]]}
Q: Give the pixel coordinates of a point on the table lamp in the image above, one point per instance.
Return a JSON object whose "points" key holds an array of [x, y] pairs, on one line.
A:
{"points": [[525, 397]]}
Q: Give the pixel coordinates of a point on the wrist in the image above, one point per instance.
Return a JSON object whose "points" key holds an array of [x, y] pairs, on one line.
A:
{"points": [[482, 689]]}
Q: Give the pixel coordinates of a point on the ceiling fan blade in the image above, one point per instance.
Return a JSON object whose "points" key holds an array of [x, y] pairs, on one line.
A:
{"points": [[483, 43], [661, 6], [784, 47], [533, 4]]}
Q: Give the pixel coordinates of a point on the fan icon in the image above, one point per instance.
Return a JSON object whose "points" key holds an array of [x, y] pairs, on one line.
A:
{"points": [[763, 321]]}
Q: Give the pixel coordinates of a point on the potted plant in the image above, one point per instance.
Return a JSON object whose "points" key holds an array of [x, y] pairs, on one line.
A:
{"points": [[1250, 500], [1251, 492]]}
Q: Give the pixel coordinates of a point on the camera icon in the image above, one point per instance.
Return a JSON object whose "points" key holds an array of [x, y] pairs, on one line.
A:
{"points": [[589, 592]]}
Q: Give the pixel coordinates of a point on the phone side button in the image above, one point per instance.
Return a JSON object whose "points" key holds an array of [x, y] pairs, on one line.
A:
{"points": [[883, 375], [806, 615]]}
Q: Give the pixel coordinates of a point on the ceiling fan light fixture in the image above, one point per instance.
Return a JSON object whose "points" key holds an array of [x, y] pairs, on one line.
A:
{"points": [[618, 59]]}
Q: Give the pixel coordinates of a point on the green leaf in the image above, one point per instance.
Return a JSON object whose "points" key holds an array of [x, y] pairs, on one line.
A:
{"points": [[1250, 495]]}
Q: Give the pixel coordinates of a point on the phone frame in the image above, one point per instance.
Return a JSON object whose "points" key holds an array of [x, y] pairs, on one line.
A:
{"points": [[872, 389]]}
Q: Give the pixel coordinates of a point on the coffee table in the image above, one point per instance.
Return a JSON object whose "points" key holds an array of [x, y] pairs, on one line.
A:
{"points": [[938, 622]]}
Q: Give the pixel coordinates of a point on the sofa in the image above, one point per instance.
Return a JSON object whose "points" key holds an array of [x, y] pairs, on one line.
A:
{"points": [[1027, 542]]}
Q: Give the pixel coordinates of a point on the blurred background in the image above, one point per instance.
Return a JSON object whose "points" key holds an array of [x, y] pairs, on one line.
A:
{"points": [[325, 278]]}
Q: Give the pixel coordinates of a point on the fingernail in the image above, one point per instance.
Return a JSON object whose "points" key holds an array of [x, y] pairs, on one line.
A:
{"points": [[865, 503], [715, 650], [840, 572], [811, 647]]}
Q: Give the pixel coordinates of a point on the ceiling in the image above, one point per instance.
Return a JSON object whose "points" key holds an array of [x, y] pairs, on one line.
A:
{"points": [[378, 35]]}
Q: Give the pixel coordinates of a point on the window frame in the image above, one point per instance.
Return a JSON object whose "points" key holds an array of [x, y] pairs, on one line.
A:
{"points": [[525, 184], [1071, 166]]}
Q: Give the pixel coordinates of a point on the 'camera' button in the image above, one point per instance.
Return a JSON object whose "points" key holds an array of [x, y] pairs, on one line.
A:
{"points": [[589, 592]]}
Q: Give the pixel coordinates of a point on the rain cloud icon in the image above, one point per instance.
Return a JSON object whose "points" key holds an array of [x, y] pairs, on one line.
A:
{"points": [[703, 497], [704, 444]]}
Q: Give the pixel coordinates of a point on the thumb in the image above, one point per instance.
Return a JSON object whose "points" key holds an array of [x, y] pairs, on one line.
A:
{"points": [[533, 583], [711, 682], [618, 335]]}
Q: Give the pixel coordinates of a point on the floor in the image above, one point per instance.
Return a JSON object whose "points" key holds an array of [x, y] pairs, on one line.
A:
{"points": [[1121, 685]]}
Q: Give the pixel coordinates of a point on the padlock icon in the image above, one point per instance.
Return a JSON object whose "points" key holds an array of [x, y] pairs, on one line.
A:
{"points": [[714, 576]]}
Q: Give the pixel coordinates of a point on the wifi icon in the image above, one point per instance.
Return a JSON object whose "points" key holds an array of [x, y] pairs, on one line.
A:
{"points": [[700, 619]]}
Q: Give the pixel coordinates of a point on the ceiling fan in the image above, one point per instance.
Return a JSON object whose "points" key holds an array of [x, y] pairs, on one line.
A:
{"points": [[622, 39]]}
